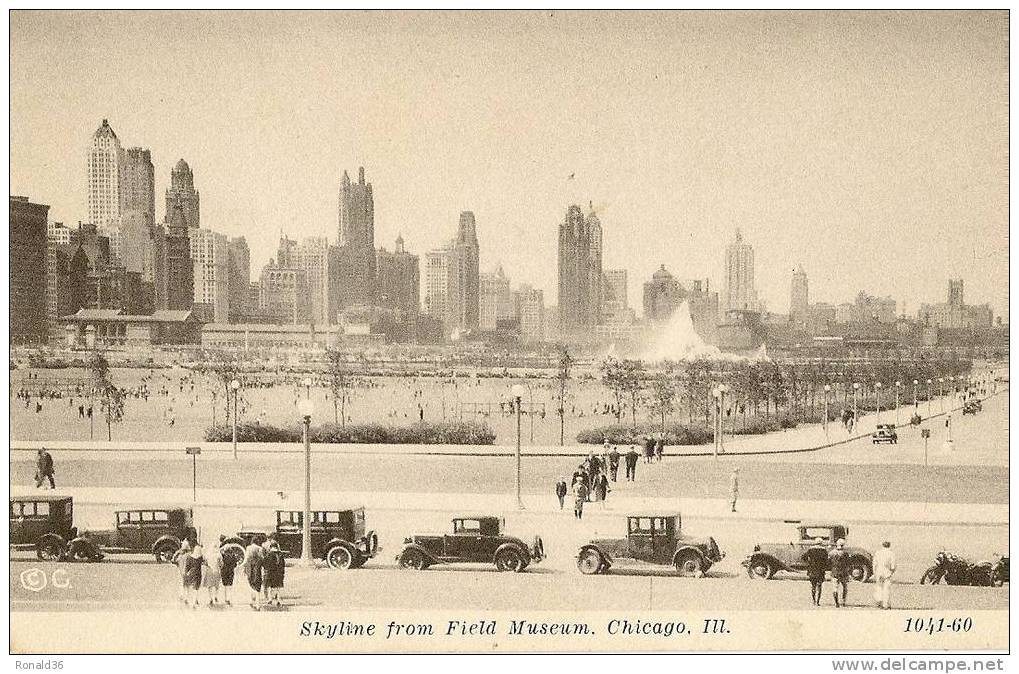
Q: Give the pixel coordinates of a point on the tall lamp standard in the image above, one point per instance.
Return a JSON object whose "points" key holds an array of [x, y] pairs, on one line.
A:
{"points": [[235, 386], [827, 390], [916, 400], [307, 388], [719, 393], [929, 396], [941, 392], [518, 395], [898, 388], [306, 408], [877, 396], [856, 389]]}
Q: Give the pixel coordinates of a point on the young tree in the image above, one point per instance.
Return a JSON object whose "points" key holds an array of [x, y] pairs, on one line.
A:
{"points": [[612, 375], [563, 377], [663, 393], [341, 383], [111, 398]]}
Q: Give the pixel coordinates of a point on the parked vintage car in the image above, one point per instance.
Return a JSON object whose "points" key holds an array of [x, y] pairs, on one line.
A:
{"points": [[885, 433], [42, 523], [155, 530], [767, 559], [337, 536], [475, 538], [654, 539], [972, 407]]}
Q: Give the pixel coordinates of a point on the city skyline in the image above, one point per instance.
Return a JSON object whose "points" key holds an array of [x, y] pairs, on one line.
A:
{"points": [[747, 170]]}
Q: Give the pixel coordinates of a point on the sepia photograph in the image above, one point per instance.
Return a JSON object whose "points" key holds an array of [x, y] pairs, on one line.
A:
{"points": [[448, 332]]}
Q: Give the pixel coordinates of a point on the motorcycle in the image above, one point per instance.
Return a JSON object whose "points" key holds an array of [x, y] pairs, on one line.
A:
{"points": [[955, 570]]}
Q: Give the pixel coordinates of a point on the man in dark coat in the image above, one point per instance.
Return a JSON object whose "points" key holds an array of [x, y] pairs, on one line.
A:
{"points": [[44, 469], [659, 447], [614, 462], [816, 558], [649, 449], [560, 491], [631, 464], [838, 559]]}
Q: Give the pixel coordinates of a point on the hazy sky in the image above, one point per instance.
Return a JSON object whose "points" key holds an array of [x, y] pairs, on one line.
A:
{"points": [[870, 147]]}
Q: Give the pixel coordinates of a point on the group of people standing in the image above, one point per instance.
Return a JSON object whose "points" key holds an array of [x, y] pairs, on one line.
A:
{"points": [[837, 561], [263, 566]]}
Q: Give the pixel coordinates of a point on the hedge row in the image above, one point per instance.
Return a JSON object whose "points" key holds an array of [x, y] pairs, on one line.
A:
{"points": [[422, 433], [675, 434]]}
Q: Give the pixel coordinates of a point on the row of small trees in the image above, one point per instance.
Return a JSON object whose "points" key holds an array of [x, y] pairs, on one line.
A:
{"points": [[792, 388]]}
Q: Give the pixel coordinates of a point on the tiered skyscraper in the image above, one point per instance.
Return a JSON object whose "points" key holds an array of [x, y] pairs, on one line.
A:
{"points": [[137, 212], [105, 159], [799, 295], [352, 263], [580, 271], [740, 293], [453, 279]]}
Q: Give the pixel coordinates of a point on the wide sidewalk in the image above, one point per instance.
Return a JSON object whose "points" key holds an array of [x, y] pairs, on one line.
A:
{"points": [[803, 439], [759, 510]]}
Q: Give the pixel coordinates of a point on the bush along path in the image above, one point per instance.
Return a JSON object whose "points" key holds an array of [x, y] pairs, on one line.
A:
{"points": [[422, 433]]}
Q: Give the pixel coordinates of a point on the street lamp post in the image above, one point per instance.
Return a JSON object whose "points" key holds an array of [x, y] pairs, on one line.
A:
{"points": [[898, 389], [235, 386], [941, 392], [877, 396], [307, 388], [827, 390], [856, 389], [719, 393], [916, 399], [929, 396], [306, 408], [518, 395], [722, 389]]}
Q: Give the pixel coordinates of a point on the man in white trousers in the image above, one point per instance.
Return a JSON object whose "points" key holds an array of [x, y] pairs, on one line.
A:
{"points": [[884, 569]]}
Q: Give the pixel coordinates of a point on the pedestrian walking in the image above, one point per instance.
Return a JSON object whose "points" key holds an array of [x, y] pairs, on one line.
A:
{"points": [[884, 569], [226, 572], [649, 449], [614, 463], [838, 560], [44, 469], [816, 558], [631, 464], [660, 447], [580, 494], [253, 556], [193, 563], [180, 558], [560, 491], [601, 488], [734, 488], [212, 575], [274, 568]]}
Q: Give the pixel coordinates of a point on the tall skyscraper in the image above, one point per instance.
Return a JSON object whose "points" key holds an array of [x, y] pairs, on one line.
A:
{"points": [[28, 265], [614, 289], [437, 272], [496, 299], [399, 285], [312, 257], [174, 270], [453, 279], [211, 259], [580, 270], [799, 295], [239, 280], [662, 296], [740, 292], [355, 259], [284, 294], [182, 194], [105, 158], [137, 211], [530, 309], [955, 292]]}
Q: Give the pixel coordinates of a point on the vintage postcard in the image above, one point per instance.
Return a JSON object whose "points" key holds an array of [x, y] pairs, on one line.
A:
{"points": [[509, 332]]}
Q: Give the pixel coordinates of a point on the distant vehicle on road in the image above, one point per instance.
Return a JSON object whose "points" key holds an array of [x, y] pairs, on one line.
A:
{"points": [[337, 536], [475, 538], [42, 523], [155, 530], [885, 433], [767, 559], [972, 407], [653, 539]]}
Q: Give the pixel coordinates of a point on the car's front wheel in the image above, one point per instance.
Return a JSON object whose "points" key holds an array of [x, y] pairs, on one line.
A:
{"points": [[760, 569], [510, 560], [859, 570], [413, 559], [339, 557], [165, 552], [49, 550], [590, 562], [689, 564]]}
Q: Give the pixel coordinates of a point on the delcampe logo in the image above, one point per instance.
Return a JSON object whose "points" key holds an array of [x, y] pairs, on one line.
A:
{"points": [[35, 580]]}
